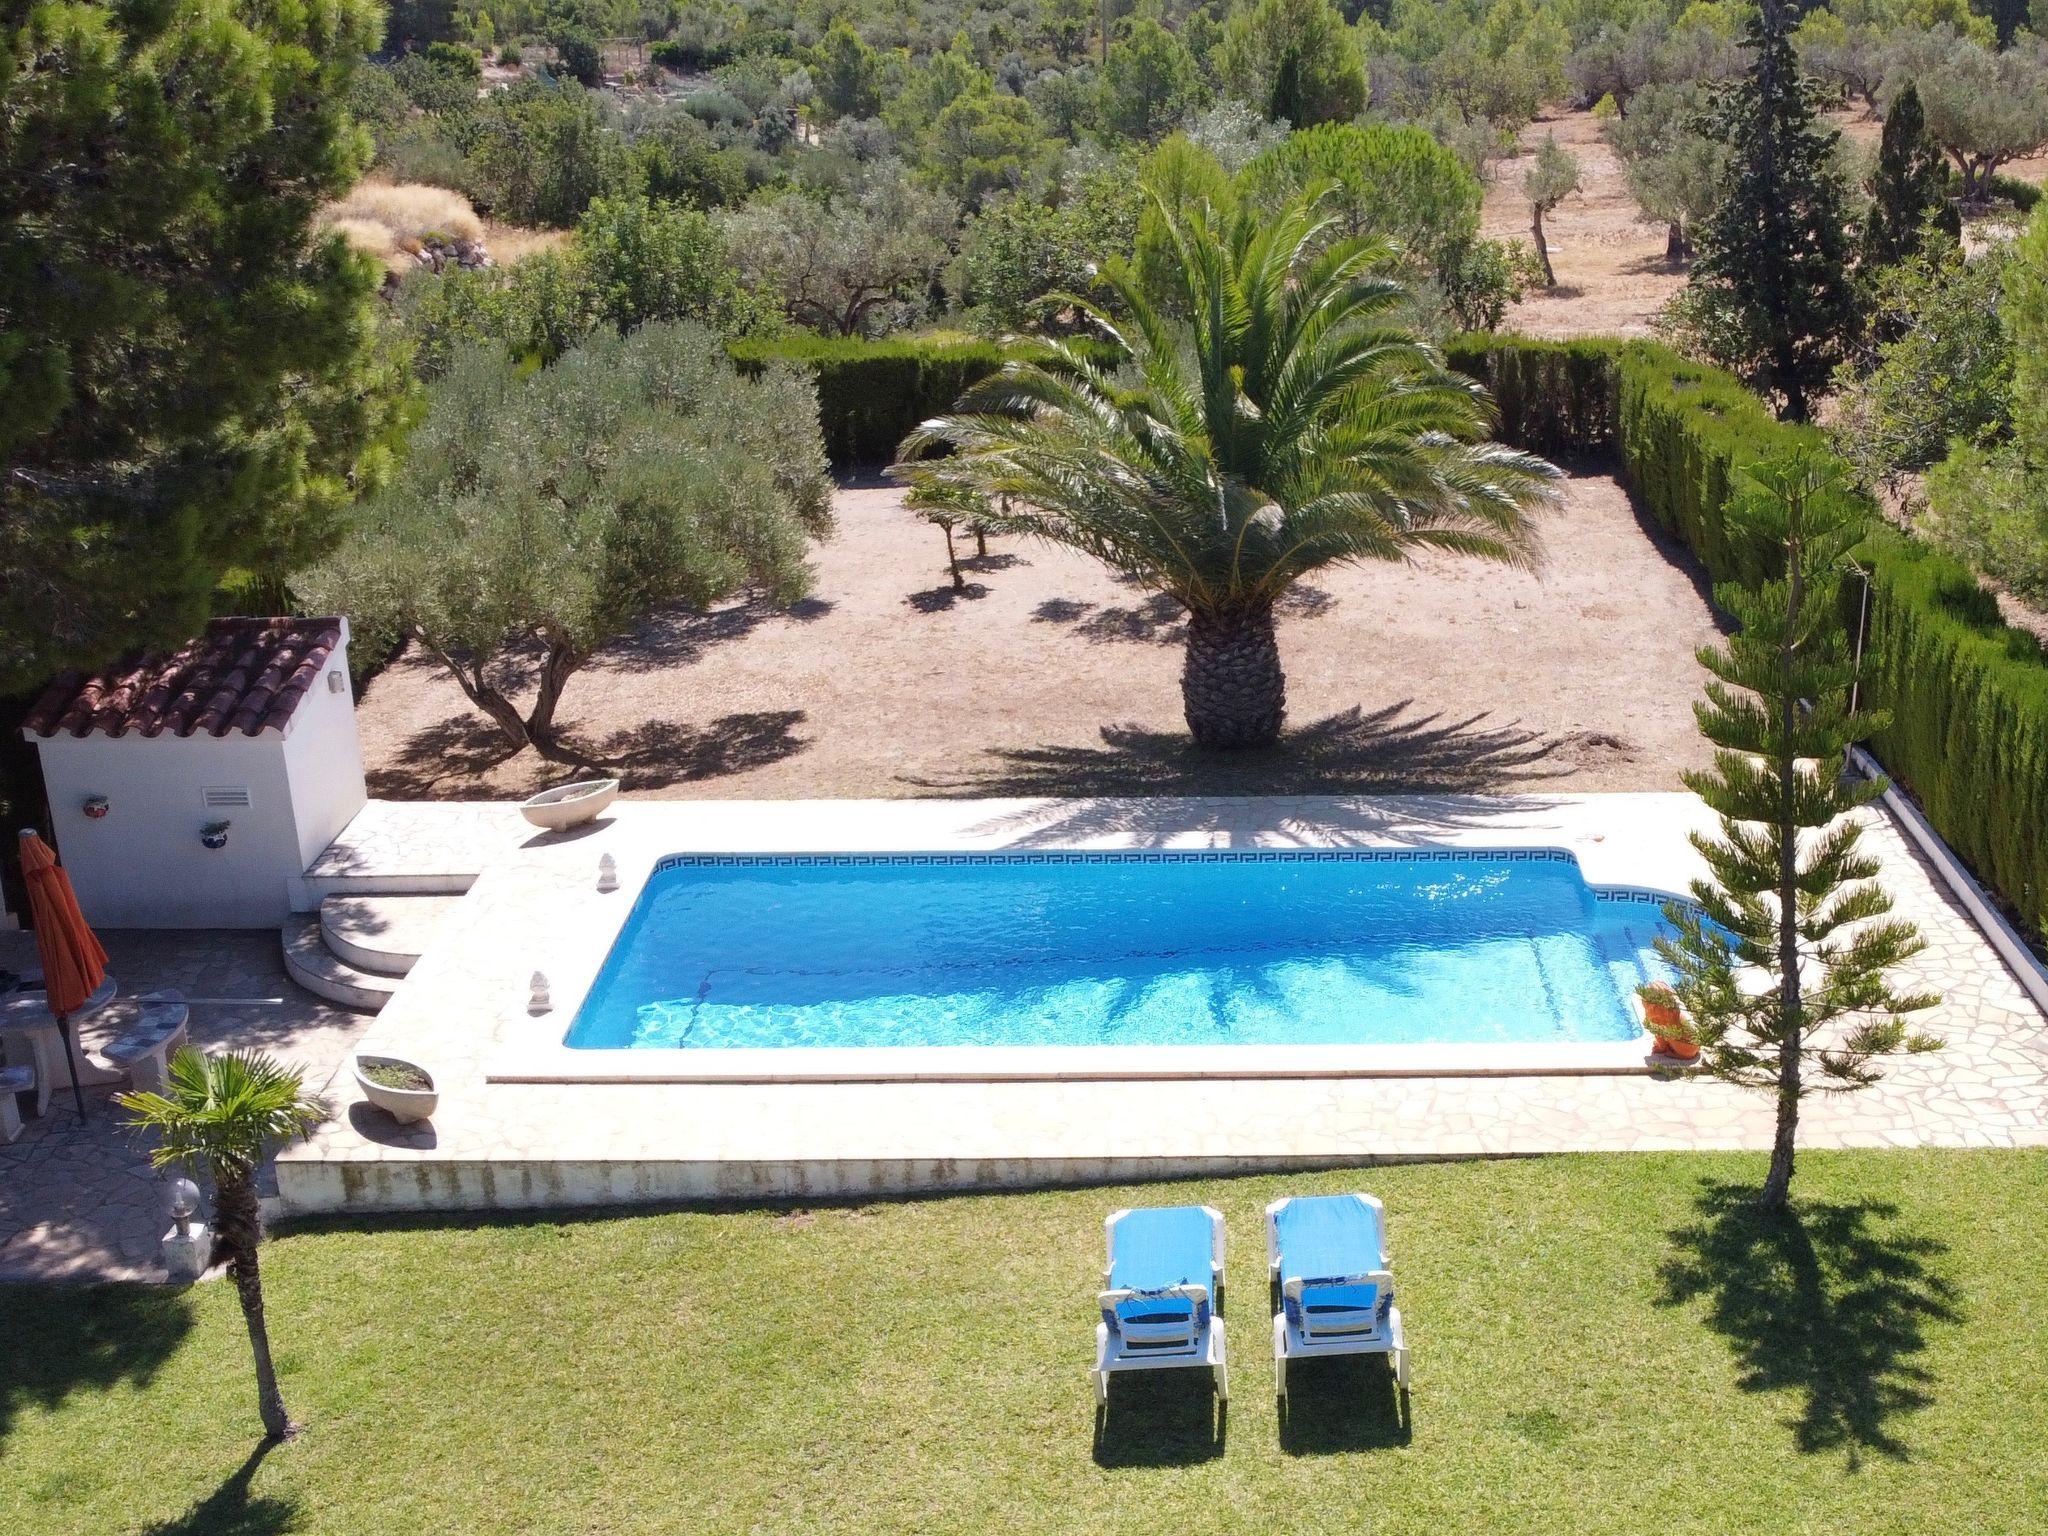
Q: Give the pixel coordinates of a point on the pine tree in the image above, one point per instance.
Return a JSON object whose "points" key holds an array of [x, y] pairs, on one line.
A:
{"points": [[1792, 901], [187, 376], [1777, 247], [1909, 190]]}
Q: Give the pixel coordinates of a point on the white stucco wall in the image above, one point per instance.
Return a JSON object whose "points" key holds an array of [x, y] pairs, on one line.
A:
{"points": [[323, 759], [143, 866]]}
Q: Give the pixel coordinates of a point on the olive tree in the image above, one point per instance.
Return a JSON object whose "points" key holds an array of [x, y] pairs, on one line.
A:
{"points": [[541, 515], [841, 264], [1674, 168], [1553, 178], [1984, 109]]}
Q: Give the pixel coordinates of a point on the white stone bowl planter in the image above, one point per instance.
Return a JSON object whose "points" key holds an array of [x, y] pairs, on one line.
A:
{"points": [[404, 1105], [569, 805]]}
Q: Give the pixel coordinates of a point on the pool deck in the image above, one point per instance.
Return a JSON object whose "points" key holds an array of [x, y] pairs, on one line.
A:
{"points": [[510, 1132]]}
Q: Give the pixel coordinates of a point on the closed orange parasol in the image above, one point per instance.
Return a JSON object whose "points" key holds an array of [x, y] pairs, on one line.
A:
{"points": [[74, 964]]}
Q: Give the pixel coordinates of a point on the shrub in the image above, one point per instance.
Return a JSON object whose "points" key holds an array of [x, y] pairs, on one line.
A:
{"points": [[1969, 715], [1553, 397], [870, 394]]}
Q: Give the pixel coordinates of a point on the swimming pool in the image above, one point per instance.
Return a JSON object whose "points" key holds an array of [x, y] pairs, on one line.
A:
{"points": [[1208, 948]]}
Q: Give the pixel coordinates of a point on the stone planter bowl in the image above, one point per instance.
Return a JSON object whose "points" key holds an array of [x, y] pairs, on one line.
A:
{"points": [[404, 1105], [569, 805]]}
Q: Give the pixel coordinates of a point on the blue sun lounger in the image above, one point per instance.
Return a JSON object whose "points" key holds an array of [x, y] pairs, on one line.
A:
{"points": [[1329, 1257], [1161, 1288]]}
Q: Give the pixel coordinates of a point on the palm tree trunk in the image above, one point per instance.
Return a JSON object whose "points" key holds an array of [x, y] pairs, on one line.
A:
{"points": [[952, 559], [1231, 686], [238, 1229]]}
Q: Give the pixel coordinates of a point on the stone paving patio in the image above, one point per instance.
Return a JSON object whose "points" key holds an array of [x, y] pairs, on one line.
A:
{"points": [[82, 1203], [505, 1137]]}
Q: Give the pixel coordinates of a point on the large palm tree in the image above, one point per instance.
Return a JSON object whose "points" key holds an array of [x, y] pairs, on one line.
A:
{"points": [[222, 1113], [1287, 425]]}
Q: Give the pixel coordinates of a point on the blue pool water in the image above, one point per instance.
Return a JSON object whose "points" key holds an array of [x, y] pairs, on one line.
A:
{"points": [[1224, 948]]}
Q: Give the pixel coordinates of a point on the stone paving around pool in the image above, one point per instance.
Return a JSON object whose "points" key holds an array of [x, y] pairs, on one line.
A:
{"points": [[504, 1137], [81, 1203]]}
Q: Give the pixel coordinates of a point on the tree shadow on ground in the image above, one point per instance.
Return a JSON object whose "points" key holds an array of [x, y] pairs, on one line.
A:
{"points": [[659, 753], [1161, 1419], [230, 1511], [992, 562], [939, 599], [61, 1340], [675, 637], [459, 747], [1346, 1403], [1352, 751], [1158, 618], [1828, 1301]]}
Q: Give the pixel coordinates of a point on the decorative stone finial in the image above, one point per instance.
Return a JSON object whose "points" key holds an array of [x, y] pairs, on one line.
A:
{"points": [[607, 873], [539, 1001]]}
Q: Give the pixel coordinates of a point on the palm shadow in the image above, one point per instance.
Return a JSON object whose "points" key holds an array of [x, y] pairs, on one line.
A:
{"points": [[230, 1511], [1829, 1301], [1161, 1419], [1345, 1403], [62, 1340], [1388, 750]]}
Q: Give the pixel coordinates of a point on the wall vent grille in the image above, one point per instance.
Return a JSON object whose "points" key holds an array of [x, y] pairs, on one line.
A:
{"points": [[225, 797]]}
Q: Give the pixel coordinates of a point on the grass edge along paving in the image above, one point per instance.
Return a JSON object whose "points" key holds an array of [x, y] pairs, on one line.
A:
{"points": [[1602, 1344]]}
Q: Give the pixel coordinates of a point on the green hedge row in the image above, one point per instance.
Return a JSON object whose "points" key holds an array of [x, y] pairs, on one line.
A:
{"points": [[871, 393], [1968, 699], [1967, 696], [1554, 397]]}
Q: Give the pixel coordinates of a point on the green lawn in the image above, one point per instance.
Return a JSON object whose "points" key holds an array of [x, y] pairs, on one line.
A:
{"points": [[1601, 1344]]}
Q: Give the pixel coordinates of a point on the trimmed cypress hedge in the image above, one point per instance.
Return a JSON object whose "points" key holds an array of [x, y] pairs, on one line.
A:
{"points": [[871, 393], [1968, 698], [1966, 694], [1553, 397]]}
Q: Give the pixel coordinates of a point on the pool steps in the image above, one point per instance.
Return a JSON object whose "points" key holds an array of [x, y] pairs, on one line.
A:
{"points": [[357, 948]]}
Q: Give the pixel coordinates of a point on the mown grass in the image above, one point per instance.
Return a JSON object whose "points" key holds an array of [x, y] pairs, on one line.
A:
{"points": [[1602, 1344]]}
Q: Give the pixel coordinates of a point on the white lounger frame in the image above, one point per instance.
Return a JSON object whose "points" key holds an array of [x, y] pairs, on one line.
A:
{"points": [[1290, 1343], [1207, 1347]]}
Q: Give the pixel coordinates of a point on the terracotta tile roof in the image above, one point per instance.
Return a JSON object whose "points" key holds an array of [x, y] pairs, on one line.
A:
{"points": [[245, 675]]}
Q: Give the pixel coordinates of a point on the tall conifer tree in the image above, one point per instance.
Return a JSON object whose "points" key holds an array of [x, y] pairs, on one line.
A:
{"points": [[1783, 960], [1909, 190], [1777, 247]]}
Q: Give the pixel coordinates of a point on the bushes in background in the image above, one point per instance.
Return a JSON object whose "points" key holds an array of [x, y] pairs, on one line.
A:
{"points": [[1967, 695]]}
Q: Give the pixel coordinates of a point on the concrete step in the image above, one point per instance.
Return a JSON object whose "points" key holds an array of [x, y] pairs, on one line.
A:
{"points": [[385, 934], [321, 971]]}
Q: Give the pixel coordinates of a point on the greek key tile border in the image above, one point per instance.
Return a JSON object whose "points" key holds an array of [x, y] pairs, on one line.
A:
{"points": [[1121, 856]]}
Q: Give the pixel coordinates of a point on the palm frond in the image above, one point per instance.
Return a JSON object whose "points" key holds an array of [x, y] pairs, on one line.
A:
{"points": [[1281, 426]]}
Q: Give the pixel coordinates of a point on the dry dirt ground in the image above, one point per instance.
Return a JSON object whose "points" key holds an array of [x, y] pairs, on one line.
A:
{"points": [[1048, 676], [1611, 273]]}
